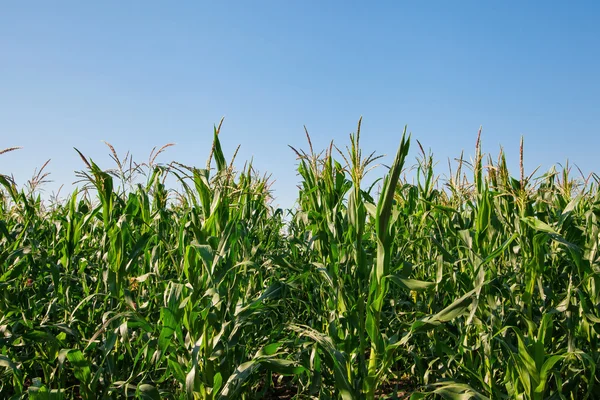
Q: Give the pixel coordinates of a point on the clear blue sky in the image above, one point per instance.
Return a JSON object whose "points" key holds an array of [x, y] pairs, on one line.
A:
{"points": [[145, 73]]}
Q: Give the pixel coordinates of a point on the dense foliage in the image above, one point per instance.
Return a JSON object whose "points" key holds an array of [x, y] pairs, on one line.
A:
{"points": [[485, 287]]}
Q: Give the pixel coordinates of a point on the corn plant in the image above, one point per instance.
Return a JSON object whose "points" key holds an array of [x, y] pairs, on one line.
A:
{"points": [[161, 280]]}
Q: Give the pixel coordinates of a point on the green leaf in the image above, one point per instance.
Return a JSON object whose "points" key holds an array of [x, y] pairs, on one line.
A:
{"points": [[539, 225], [339, 360], [546, 368], [411, 284], [269, 349], [148, 392], [235, 382], [8, 364], [177, 371], [217, 382], [457, 308], [283, 367], [81, 367], [218, 152], [190, 382]]}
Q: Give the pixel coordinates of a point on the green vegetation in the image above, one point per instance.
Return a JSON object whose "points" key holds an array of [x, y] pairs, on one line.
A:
{"points": [[486, 287]]}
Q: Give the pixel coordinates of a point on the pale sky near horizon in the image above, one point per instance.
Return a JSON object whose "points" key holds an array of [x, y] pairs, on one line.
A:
{"points": [[142, 74]]}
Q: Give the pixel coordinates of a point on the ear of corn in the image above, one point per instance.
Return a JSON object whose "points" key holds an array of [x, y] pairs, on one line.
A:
{"points": [[482, 288]]}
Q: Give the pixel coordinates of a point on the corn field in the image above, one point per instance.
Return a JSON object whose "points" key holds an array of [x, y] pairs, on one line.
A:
{"points": [[479, 285]]}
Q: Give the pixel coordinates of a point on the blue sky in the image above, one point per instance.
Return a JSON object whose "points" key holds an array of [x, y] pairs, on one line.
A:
{"points": [[141, 74]]}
